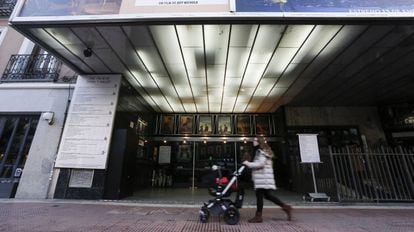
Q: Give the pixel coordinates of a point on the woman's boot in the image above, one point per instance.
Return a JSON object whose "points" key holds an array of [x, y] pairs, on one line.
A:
{"points": [[257, 218], [288, 211]]}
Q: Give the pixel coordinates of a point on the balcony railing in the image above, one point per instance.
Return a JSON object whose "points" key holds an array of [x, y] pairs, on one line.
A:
{"points": [[32, 68], [6, 7]]}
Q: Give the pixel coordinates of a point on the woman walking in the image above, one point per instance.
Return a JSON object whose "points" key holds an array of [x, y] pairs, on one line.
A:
{"points": [[263, 179]]}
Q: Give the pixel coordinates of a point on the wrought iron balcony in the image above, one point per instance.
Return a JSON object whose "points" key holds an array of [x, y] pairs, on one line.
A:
{"points": [[32, 68], [6, 7]]}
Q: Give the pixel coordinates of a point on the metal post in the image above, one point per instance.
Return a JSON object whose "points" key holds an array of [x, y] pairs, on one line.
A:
{"points": [[314, 179], [335, 175], [192, 185]]}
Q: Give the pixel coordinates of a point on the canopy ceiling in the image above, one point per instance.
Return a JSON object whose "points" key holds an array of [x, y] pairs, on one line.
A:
{"points": [[246, 67]]}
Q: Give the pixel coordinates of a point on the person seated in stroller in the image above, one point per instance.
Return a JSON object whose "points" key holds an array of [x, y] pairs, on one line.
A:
{"points": [[222, 189]]}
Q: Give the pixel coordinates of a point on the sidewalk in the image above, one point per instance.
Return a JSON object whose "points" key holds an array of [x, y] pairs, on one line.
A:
{"points": [[93, 216]]}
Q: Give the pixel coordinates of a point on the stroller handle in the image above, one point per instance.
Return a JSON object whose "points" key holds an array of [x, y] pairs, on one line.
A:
{"points": [[240, 170]]}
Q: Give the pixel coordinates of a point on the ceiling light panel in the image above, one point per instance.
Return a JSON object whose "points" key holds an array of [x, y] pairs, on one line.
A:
{"points": [[131, 79], [280, 60], [263, 88], [241, 42], [261, 92], [166, 40], [192, 45], [215, 75], [126, 52], [253, 75], [202, 104], [151, 61], [44, 36], [254, 104], [216, 39], [266, 41], [243, 98], [129, 57], [291, 74], [293, 37], [191, 39], [78, 44], [320, 36], [341, 41]]}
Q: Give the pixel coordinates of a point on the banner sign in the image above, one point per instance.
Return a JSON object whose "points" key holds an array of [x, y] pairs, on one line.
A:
{"points": [[350, 6], [173, 6], [179, 2], [309, 149], [88, 128]]}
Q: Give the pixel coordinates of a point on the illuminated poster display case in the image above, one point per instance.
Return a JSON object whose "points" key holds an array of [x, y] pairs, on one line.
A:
{"points": [[218, 125], [167, 124], [224, 125], [205, 125], [243, 125], [186, 124]]}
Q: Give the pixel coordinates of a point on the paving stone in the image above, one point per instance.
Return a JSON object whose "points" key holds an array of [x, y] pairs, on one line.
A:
{"points": [[65, 216]]}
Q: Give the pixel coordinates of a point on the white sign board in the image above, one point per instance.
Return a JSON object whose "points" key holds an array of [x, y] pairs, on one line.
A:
{"points": [[87, 133], [309, 149], [179, 2], [164, 155], [81, 178]]}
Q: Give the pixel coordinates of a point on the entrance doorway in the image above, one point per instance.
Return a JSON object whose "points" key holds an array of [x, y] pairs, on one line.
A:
{"points": [[187, 164], [187, 175]]}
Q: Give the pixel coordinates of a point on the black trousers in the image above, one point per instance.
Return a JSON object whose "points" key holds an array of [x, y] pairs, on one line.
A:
{"points": [[268, 194]]}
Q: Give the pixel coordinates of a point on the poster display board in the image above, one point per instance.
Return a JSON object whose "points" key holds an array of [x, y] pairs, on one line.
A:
{"points": [[309, 149], [165, 155], [87, 132]]}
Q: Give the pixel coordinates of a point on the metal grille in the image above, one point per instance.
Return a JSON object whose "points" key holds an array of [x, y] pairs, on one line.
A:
{"points": [[382, 174], [42, 67], [6, 7], [16, 135]]}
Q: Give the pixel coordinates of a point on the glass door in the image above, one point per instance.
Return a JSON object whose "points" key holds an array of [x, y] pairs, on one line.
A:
{"points": [[213, 153]]}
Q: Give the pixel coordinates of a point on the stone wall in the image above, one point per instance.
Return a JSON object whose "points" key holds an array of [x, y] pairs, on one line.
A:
{"points": [[37, 98], [366, 118]]}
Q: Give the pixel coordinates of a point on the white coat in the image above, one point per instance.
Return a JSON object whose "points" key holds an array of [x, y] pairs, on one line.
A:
{"points": [[262, 170]]}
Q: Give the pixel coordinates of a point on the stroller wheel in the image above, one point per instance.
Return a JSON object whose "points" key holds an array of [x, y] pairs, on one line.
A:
{"points": [[232, 215], [204, 215]]}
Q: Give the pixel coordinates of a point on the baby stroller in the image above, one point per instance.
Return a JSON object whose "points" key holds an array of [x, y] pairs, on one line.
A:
{"points": [[221, 205]]}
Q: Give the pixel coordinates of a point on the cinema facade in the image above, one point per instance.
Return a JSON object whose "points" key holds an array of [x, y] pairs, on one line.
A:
{"points": [[164, 89]]}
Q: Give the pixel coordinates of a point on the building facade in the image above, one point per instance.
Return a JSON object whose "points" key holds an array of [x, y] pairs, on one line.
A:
{"points": [[168, 88]]}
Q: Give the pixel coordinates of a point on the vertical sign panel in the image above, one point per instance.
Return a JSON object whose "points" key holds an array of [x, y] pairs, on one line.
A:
{"points": [[87, 133], [309, 150]]}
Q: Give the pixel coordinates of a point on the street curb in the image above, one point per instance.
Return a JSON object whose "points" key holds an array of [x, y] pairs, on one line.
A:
{"points": [[296, 205]]}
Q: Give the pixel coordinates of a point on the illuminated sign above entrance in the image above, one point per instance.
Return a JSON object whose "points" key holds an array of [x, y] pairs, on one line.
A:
{"points": [[348, 6]]}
